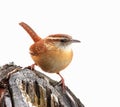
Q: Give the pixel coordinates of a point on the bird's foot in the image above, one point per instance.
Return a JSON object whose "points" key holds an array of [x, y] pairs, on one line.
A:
{"points": [[62, 82], [31, 67]]}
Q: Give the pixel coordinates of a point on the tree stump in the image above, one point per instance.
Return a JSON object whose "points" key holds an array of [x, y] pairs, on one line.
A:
{"points": [[22, 87]]}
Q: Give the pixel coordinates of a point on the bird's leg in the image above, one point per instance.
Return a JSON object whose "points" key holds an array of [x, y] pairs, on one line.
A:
{"points": [[31, 67], [62, 82]]}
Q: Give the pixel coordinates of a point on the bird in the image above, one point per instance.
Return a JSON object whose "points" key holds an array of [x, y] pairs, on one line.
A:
{"points": [[52, 53]]}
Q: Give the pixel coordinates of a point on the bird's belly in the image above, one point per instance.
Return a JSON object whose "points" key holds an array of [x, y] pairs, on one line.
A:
{"points": [[53, 62]]}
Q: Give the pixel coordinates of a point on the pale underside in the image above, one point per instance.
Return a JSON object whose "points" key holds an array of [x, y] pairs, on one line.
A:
{"points": [[53, 60]]}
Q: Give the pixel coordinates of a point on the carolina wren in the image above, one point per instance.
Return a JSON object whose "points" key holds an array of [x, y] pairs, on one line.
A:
{"points": [[53, 53]]}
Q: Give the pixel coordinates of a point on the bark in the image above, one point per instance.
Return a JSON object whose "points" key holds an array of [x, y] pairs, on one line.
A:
{"points": [[22, 87]]}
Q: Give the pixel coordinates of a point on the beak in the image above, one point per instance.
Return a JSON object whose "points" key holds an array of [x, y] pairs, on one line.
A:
{"points": [[75, 41]]}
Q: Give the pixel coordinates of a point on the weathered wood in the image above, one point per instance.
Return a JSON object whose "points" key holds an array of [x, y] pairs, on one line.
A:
{"points": [[27, 88]]}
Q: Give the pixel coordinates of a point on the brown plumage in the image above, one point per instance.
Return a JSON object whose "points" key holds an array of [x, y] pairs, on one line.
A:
{"points": [[53, 53]]}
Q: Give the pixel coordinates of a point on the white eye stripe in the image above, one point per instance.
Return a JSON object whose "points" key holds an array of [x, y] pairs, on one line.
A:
{"points": [[59, 36], [56, 38]]}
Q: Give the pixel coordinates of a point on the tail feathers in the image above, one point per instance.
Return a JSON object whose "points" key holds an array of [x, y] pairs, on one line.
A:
{"points": [[30, 31]]}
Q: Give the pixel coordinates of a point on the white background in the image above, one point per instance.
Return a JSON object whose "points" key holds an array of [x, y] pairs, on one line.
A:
{"points": [[94, 74]]}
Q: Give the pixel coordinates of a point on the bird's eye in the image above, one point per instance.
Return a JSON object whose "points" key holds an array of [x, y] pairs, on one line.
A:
{"points": [[63, 40]]}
